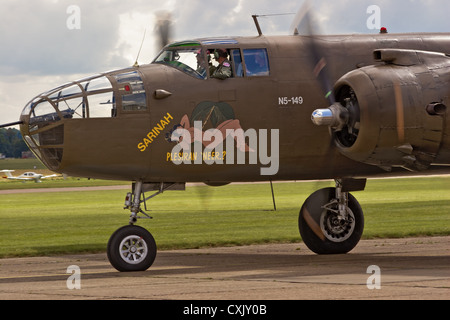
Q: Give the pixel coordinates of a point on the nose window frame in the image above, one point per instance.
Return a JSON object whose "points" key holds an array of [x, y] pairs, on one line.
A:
{"points": [[131, 94], [46, 112]]}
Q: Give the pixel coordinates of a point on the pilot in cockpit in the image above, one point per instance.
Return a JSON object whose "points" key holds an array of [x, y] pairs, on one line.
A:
{"points": [[223, 70]]}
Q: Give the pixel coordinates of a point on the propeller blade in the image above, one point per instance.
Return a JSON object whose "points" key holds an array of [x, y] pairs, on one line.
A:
{"points": [[163, 27], [305, 24], [312, 224], [296, 25], [400, 112]]}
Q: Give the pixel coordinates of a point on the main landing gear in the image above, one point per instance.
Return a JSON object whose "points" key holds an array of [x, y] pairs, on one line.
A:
{"points": [[133, 248], [331, 220]]}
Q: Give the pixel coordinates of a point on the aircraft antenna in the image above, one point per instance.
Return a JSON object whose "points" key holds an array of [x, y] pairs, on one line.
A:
{"points": [[256, 16], [258, 27], [139, 53]]}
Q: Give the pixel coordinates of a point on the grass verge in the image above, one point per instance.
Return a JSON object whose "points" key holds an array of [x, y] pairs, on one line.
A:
{"points": [[80, 222]]}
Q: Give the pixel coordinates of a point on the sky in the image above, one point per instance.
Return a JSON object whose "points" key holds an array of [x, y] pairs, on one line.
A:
{"points": [[46, 43]]}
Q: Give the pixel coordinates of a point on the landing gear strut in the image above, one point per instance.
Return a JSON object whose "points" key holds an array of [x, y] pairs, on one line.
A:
{"points": [[133, 248], [331, 220]]}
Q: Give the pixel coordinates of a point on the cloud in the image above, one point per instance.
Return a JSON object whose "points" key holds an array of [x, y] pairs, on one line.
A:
{"points": [[200, 18], [39, 42], [400, 16], [36, 40]]}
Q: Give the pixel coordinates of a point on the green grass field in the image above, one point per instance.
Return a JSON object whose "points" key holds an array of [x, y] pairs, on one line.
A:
{"points": [[77, 222], [21, 166], [26, 164]]}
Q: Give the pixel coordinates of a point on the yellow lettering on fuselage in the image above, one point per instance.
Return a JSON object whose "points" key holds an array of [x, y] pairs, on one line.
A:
{"points": [[192, 156], [154, 133]]}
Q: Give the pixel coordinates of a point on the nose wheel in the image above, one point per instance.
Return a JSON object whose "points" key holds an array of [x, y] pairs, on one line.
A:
{"points": [[131, 248]]}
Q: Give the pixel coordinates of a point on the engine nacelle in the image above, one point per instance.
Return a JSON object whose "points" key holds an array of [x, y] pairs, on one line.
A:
{"points": [[392, 115]]}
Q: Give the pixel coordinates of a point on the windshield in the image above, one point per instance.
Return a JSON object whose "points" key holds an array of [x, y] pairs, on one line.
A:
{"points": [[190, 61]]}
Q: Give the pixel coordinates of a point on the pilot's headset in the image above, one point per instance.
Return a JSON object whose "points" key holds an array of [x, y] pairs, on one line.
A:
{"points": [[220, 53]]}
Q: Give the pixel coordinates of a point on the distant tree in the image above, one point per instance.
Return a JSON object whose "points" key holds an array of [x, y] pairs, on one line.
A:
{"points": [[11, 143]]}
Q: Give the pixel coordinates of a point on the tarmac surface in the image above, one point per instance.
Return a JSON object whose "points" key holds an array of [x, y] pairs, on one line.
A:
{"points": [[412, 268]]}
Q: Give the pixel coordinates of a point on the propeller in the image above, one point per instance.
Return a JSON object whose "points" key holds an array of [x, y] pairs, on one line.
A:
{"points": [[163, 27], [339, 117]]}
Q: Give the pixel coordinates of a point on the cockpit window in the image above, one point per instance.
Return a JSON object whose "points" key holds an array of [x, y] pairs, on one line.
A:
{"points": [[189, 60], [257, 62], [100, 102], [101, 83], [132, 91]]}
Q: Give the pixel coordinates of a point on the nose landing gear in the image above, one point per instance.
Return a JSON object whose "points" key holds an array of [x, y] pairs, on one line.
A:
{"points": [[133, 248]]}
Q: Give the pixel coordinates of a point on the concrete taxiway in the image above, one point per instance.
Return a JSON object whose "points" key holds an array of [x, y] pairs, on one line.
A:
{"points": [[413, 268]]}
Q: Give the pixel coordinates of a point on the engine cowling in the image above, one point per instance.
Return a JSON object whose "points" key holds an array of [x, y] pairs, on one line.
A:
{"points": [[392, 114]]}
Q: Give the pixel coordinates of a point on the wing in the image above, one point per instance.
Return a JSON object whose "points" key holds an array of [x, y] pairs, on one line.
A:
{"points": [[51, 176]]}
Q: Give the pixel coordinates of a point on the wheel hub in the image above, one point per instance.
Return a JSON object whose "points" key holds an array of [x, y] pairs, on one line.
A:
{"points": [[335, 228], [133, 249]]}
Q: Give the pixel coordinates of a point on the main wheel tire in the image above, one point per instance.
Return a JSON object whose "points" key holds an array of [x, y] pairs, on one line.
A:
{"points": [[322, 231], [131, 248]]}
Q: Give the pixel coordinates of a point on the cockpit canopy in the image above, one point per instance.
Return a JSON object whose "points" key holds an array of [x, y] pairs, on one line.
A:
{"points": [[187, 57], [198, 59]]}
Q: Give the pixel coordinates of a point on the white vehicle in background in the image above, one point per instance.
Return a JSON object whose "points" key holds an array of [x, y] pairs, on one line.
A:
{"points": [[27, 176]]}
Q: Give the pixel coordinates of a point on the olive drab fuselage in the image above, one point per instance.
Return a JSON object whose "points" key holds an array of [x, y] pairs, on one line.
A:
{"points": [[130, 124]]}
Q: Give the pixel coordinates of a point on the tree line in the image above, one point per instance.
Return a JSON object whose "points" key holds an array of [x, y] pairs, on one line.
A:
{"points": [[11, 143]]}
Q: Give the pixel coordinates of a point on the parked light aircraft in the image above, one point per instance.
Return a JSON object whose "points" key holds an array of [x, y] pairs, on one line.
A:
{"points": [[27, 176]]}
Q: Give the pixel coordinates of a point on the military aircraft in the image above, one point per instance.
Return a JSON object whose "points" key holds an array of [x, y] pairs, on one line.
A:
{"points": [[294, 107], [27, 176]]}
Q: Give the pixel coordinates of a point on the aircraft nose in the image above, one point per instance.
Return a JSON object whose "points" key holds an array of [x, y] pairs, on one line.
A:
{"points": [[44, 117], [42, 131]]}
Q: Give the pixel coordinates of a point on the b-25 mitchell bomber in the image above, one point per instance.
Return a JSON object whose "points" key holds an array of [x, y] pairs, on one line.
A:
{"points": [[259, 108]]}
